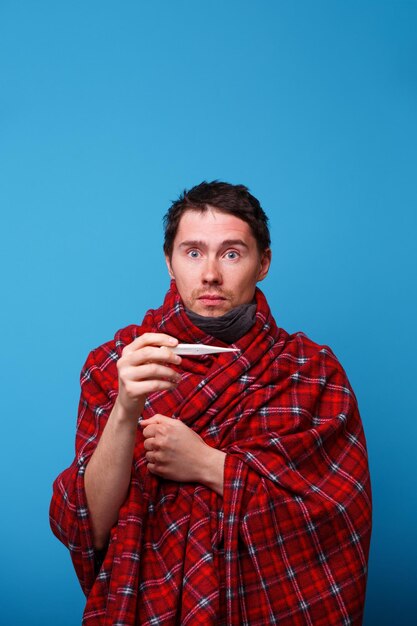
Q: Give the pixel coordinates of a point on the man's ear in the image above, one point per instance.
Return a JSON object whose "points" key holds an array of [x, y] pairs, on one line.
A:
{"points": [[266, 258], [169, 266]]}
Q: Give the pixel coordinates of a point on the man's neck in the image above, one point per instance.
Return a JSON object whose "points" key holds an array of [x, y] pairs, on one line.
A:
{"points": [[229, 327]]}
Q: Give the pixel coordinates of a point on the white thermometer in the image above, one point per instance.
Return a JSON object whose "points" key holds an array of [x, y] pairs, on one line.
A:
{"points": [[188, 349]]}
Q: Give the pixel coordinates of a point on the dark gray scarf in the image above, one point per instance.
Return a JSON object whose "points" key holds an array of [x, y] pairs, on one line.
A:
{"points": [[229, 327]]}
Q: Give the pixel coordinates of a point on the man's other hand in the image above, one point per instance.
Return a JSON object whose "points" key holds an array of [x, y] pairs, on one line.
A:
{"points": [[174, 451]]}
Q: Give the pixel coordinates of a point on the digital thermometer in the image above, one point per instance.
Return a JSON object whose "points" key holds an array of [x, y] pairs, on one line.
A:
{"points": [[188, 349]]}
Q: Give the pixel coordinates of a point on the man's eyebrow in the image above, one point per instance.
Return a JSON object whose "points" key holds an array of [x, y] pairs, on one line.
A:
{"points": [[234, 242], [195, 243], [192, 243]]}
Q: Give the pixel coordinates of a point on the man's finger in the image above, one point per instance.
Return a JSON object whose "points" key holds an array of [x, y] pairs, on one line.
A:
{"points": [[151, 354], [155, 419], [150, 431], [147, 422], [150, 371], [149, 444], [151, 339]]}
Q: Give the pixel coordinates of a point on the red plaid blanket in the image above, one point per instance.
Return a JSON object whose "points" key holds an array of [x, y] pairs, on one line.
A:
{"points": [[287, 544]]}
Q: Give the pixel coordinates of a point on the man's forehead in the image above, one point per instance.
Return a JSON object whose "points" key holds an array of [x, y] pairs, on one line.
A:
{"points": [[212, 223]]}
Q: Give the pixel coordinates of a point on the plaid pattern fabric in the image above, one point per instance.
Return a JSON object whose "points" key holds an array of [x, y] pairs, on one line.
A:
{"points": [[288, 542]]}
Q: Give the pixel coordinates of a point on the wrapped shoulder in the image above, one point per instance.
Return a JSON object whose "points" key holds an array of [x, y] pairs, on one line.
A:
{"points": [[317, 355]]}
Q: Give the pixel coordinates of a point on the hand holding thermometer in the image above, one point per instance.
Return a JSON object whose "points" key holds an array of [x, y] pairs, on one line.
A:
{"points": [[188, 349]]}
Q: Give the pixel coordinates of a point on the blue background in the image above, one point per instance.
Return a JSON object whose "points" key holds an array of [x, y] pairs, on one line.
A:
{"points": [[108, 110]]}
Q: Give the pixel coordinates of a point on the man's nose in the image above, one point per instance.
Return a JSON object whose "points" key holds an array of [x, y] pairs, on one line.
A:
{"points": [[211, 272]]}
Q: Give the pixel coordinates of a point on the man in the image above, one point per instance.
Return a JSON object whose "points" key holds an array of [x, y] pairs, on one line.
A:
{"points": [[230, 488]]}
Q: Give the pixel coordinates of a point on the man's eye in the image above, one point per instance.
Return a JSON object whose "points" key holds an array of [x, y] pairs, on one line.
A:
{"points": [[232, 254], [194, 254]]}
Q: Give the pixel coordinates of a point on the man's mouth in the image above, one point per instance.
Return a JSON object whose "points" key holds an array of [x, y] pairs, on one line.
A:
{"points": [[210, 298]]}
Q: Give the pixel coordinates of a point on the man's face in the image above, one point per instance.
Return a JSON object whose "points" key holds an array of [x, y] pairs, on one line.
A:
{"points": [[216, 262]]}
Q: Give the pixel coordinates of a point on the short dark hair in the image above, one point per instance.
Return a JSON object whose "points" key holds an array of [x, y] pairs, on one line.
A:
{"points": [[227, 198]]}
